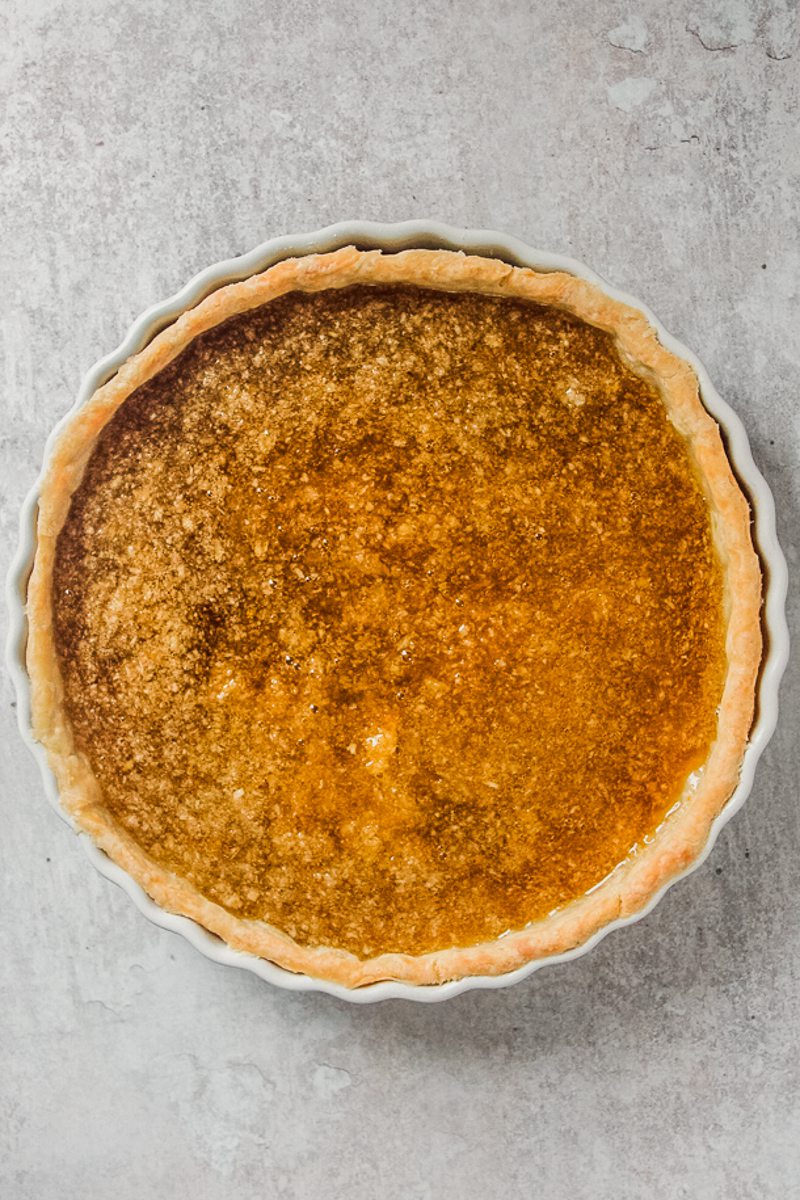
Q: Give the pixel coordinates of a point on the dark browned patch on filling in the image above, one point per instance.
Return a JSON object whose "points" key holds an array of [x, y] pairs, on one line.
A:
{"points": [[391, 617]]}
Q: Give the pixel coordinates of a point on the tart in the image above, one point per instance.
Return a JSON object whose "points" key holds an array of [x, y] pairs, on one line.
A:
{"points": [[396, 616]]}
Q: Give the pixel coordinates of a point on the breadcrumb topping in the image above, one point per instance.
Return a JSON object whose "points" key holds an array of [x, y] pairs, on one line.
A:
{"points": [[391, 617]]}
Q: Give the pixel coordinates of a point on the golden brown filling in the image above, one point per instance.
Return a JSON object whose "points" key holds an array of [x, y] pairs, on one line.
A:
{"points": [[391, 617]]}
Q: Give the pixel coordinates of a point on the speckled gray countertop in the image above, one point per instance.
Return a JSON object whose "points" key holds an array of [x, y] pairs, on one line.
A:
{"points": [[140, 142]]}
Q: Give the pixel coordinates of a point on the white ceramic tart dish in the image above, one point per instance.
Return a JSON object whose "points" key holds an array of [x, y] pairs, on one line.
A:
{"points": [[387, 618]]}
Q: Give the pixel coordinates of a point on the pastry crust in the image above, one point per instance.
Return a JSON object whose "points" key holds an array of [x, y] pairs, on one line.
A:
{"points": [[682, 835]]}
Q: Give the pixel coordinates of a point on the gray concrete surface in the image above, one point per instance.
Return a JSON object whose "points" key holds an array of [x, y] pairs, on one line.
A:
{"points": [[139, 142]]}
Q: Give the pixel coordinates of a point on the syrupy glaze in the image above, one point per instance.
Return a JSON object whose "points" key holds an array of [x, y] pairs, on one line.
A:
{"points": [[391, 617]]}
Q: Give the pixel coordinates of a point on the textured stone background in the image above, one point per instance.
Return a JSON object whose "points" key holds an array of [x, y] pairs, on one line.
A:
{"points": [[138, 143]]}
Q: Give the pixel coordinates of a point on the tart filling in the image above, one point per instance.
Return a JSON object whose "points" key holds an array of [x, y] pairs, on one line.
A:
{"points": [[388, 619]]}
